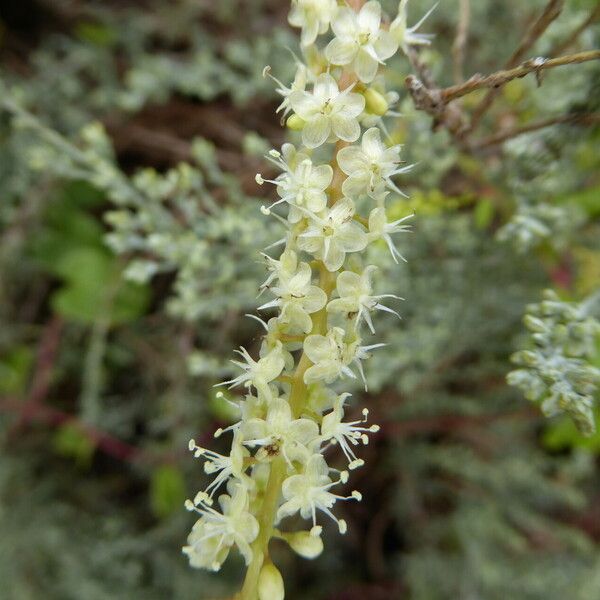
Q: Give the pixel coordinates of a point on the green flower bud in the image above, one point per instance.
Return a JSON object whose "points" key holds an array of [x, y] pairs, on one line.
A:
{"points": [[270, 583], [306, 545], [295, 123], [375, 102]]}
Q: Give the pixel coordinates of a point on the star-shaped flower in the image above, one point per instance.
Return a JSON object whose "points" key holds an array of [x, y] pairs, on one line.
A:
{"points": [[313, 16], [359, 40], [407, 36], [355, 297], [326, 111], [298, 299], [308, 492], [258, 373], [214, 534], [281, 433], [332, 234], [370, 166], [328, 354], [379, 228]]}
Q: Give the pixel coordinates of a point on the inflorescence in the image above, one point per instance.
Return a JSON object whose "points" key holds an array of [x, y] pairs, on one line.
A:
{"points": [[321, 294]]}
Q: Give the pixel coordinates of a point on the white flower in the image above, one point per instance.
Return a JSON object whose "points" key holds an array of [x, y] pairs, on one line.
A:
{"points": [[224, 466], [313, 16], [370, 166], [345, 434], [280, 433], [299, 84], [356, 353], [408, 36], [355, 297], [332, 234], [309, 492], [258, 373], [297, 298], [360, 41], [328, 353], [279, 269], [327, 110], [215, 533], [379, 228], [302, 184]]}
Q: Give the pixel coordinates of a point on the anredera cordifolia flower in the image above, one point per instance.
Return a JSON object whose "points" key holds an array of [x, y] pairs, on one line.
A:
{"points": [[319, 299]]}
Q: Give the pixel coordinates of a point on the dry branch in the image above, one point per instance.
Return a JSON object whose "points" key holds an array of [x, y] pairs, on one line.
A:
{"points": [[550, 13], [569, 41], [435, 101], [502, 136]]}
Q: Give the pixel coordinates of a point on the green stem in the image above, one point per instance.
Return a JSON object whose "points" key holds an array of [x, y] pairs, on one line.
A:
{"points": [[266, 518], [268, 513]]}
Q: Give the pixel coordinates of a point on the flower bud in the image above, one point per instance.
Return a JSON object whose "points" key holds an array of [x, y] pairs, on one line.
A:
{"points": [[375, 102], [306, 545], [295, 123], [270, 583]]}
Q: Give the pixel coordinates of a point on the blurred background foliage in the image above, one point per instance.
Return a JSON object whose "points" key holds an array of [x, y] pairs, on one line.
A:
{"points": [[130, 133]]}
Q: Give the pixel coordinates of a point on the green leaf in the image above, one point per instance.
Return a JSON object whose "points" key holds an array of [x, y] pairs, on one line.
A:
{"points": [[70, 441], [588, 200], [95, 33], [167, 491], [14, 370], [95, 289], [484, 213], [563, 435]]}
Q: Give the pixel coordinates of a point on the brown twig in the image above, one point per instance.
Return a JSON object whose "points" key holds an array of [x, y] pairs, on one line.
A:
{"points": [[535, 31], [42, 374], [502, 136], [423, 90], [434, 101], [104, 441], [460, 41], [500, 78], [569, 41]]}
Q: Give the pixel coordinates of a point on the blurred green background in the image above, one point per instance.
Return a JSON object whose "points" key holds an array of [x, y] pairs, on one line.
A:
{"points": [[130, 133]]}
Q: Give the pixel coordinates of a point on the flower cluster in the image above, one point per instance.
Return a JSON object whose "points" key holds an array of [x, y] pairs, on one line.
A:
{"points": [[557, 371], [322, 301]]}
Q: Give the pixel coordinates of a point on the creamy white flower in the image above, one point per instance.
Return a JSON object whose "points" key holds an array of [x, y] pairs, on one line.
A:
{"points": [[313, 16], [214, 534], [309, 492], [279, 432], [279, 269], [224, 466], [356, 353], [370, 166], [334, 430], [301, 78], [359, 40], [298, 299], [407, 36], [355, 297], [332, 234], [302, 184], [329, 356], [258, 373], [379, 228], [327, 111]]}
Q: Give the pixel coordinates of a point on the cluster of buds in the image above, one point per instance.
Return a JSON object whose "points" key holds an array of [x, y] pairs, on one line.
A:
{"points": [[558, 371], [322, 300]]}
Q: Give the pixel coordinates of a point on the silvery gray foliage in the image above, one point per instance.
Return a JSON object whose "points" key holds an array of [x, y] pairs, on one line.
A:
{"points": [[535, 223], [167, 222], [557, 372]]}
